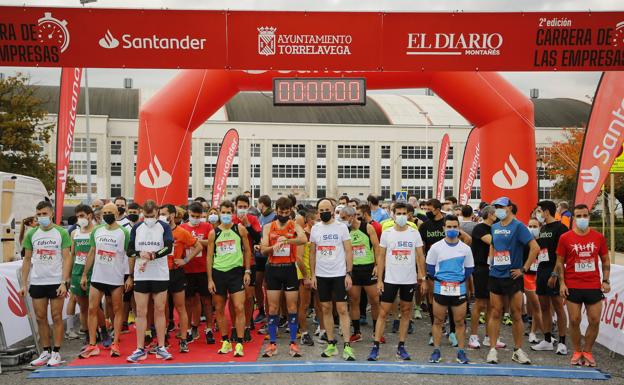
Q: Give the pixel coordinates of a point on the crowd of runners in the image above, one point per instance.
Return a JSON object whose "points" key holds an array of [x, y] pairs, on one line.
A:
{"points": [[282, 266]]}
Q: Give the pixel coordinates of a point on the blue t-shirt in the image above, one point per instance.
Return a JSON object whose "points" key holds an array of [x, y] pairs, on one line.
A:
{"points": [[449, 263], [380, 215], [508, 242]]}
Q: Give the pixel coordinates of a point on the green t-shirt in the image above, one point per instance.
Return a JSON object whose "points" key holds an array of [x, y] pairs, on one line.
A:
{"points": [[360, 243], [81, 250], [228, 251], [47, 254]]}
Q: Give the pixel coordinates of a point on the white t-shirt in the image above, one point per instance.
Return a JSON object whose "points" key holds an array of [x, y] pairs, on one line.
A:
{"points": [[125, 222], [47, 254], [400, 268], [151, 239], [111, 261], [330, 254]]}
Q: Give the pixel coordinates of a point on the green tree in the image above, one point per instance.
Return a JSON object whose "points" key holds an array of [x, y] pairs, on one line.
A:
{"points": [[23, 130]]}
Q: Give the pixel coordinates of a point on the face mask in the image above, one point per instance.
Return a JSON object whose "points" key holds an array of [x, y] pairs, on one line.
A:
{"points": [[213, 218], [401, 220], [452, 233], [82, 222], [501, 214], [121, 210], [109, 218], [430, 215], [326, 216], [150, 222], [163, 218], [133, 217], [581, 223], [241, 212], [44, 221], [226, 219], [202, 220], [539, 217], [283, 218], [534, 231], [194, 221]]}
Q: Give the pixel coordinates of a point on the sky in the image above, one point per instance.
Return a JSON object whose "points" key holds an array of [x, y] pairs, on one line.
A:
{"points": [[578, 85]]}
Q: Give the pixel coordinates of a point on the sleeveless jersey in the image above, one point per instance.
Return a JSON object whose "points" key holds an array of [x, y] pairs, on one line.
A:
{"points": [[288, 253], [81, 249], [361, 244], [228, 249]]}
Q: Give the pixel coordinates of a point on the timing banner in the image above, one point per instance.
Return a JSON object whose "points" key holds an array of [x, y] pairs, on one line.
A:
{"points": [[317, 41]]}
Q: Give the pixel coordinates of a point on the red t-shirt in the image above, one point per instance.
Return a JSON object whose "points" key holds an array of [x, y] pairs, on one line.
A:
{"points": [[377, 226], [182, 240], [255, 224], [581, 254], [199, 232]]}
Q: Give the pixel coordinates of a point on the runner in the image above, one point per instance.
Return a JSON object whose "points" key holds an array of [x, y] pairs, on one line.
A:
{"points": [[228, 268], [182, 240], [122, 205], [108, 259], [509, 236], [305, 280], [378, 214], [197, 293], [547, 285], [279, 242], [530, 286], [48, 262], [331, 261], [151, 241], [449, 265], [267, 215], [134, 213], [343, 200], [401, 258], [578, 254]]}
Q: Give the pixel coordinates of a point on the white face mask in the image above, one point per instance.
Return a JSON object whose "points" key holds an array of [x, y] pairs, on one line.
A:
{"points": [[164, 218], [194, 221], [150, 222], [202, 220], [83, 222]]}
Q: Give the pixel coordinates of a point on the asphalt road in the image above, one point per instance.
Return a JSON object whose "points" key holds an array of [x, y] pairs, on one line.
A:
{"points": [[416, 344]]}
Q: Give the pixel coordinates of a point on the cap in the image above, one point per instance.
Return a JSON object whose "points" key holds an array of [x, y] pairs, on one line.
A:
{"points": [[502, 201]]}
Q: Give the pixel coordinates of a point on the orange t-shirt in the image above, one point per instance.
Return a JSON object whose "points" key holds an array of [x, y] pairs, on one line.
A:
{"points": [[287, 254], [182, 240]]}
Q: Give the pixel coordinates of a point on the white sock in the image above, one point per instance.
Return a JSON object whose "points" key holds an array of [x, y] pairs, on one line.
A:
{"points": [[70, 323]]}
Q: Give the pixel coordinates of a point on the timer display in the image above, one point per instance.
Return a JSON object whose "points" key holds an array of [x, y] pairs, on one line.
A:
{"points": [[319, 91]]}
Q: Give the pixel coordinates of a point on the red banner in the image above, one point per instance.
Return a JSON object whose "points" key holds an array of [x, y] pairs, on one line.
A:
{"points": [[445, 145], [603, 138], [227, 152], [273, 40], [470, 166], [68, 105]]}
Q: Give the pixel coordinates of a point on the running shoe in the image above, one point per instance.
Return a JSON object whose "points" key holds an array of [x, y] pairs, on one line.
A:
{"points": [[417, 313], [355, 338], [114, 350], [247, 335], [588, 357], [492, 357], [410, 328], [151, 348], [461, 357], [238, 350], [453, 340], [521, 357], [226, 347], [577, 358], [499, 344], [283, 322], [171, 327], [562, 350], [162, 353], [261, 317], [306, 339], [533, 338], [543, 346], [264, 330], [233, 335], [71, 335], [184, 346], [507, 320], [482, 318], [195, 333], [55, 359], [322, 338], [382, 340], [402, 354], [270, 351], [329, 351], [107, 341], [137, 355], [395, 326], [89, 351], [42, 360], [347, 353], [430, 340], [293, 350], [436, 356], [473, 342], [374, 354]]}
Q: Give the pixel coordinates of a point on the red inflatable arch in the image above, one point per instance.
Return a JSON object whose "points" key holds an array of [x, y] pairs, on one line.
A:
{"points": [[503, 115]]}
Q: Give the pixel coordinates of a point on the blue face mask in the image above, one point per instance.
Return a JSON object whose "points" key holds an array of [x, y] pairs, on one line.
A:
{"points": [[501, 214], [581, 223], [452, 233], [401, 220], [226, 219], [44, 221]]}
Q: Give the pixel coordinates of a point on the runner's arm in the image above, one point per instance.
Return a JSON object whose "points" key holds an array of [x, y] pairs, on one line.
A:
{"points": [[265, 249], [313, 259], [348, 255], [467, 239], [301, 241], [381, 261], [372, 235], [210, 254], [26, 269], [487, 238], [606, 267], [246, 247], [90, 261], [420, 263], [301, 237], [534, 250], [196, 249], [67, 265]]}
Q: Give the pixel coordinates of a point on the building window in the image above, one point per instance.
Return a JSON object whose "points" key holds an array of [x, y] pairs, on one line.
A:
{"points": [[80, 145], [420, 192], [288, 150], [448, 173], [321, 171], [385, 152], [450, 153], [255, 171], [543, 154], [115, 190], [448, 191], [255, 150], [321, 192], [416, 152], [81, 188], [136, 147], [233, 171], [190, 191], [115, 147], [288, 171], [542, 174], [475, 193], [134, 170], [190, 169], [544, 192], [385, 192], [79, 167], [353, 152], [478, 173], [209, 170], [385, 172], [115, 170], [353, 172], [416, 172], [321, 151], [211, 149]]}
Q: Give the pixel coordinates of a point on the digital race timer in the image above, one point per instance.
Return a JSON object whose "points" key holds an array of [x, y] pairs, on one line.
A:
{"points": [[319, 91]]}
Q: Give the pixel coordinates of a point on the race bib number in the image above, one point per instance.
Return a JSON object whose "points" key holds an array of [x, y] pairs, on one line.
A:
{"points": [[46, 256], [534, 266], [226, 247], [81, 258], [359, 251], [450, 289], [400, 257], [502, 258], [543, 256], [585, 265], [283, 251], [105, 257], [328, 252]]}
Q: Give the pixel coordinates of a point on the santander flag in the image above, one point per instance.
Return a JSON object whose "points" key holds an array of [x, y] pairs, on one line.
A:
{"points": [[229, 146], [603, 138], [444, 150], [68, 105], [470, 166]]}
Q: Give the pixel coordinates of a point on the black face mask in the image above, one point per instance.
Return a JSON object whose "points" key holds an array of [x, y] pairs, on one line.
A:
{"points": [[121, 210], [326, 216], [133, 217], [109, 218], [430, 215], [283, 218]]}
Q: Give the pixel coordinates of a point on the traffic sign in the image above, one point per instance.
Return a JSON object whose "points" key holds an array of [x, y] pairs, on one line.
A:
{"points": [[401, 196]]}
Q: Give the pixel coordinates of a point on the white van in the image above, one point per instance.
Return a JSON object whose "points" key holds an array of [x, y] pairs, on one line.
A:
{"points": [[19, 194]]}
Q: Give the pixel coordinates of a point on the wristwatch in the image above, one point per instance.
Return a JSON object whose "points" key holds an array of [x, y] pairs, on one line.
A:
{"points": [[554, 274], [349, 273], [606, 281], [248, 271]]}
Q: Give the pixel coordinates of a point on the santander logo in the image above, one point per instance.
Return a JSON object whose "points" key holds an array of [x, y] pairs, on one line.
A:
{"points": [[155, 176], [590, 178], [511, 177], [109, 41], [15, 301]]}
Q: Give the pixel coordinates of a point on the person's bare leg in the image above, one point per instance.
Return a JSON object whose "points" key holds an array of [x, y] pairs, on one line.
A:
{"points": [[179, 304], [562, 317], [95, 298], [384, 309], [533, 306], [517, 329], [593, 318], [459, 315], [140, 319], [238, 300], [439, 314], [406, 315], [118, 312], [345, 325], [56, 311], [83, 304], [40, 306], [160, 317], [495, 313], [328, 319], [219, 303]]}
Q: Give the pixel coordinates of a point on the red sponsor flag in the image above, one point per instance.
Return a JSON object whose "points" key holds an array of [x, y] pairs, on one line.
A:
{"points": [[68, 105], [470, 166], [603, 138], [444, 150], [229, 146]]}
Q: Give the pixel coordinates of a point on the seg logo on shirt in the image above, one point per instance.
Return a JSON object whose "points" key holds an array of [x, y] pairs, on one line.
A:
{"points": [[405, 244], [329, 237]]}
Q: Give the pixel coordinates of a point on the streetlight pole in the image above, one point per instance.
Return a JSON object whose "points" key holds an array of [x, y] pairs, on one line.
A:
{"points": [[426, 116]]}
